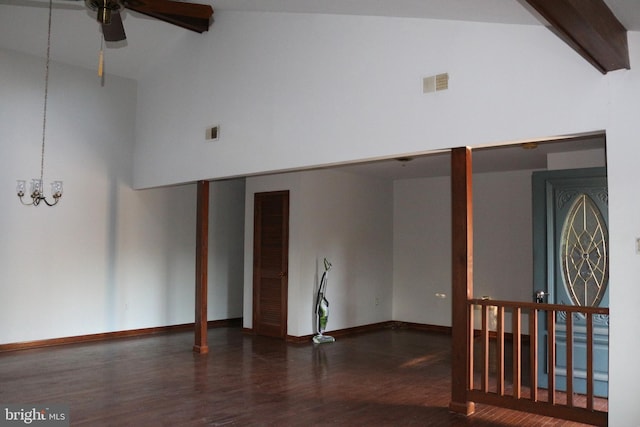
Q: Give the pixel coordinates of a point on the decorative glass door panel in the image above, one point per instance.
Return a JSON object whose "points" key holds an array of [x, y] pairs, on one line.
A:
{"points": [[583, 252]]}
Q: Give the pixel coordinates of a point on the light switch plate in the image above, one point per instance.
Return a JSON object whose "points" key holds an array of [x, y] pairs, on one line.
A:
{"points": [[213, 133]]}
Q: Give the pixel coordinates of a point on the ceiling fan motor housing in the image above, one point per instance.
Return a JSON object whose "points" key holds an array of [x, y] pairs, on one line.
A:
{"points": [[104, 9]]}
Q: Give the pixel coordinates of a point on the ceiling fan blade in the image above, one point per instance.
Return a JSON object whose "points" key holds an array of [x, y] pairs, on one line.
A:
{"points": [[192, 16], [114, 32]]}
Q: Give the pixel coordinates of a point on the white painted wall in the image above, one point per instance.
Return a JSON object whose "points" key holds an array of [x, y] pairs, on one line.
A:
{"points": [[226, 249], [422, 250], [503, 257], [295, 90], [623, 153], [502, 242], [349, 220], [422, 243], [107, 258], [283, 85], [346, 218]]}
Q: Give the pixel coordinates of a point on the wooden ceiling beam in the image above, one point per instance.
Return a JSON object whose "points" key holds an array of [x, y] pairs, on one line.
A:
{"points": [[590, 28]]}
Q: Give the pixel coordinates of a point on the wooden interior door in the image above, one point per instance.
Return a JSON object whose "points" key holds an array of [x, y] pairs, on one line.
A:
{"points": [[270, 263], [571, 265]]}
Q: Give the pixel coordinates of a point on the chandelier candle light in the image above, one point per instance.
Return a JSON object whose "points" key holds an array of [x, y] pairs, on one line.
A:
{"points": [[37, 193]]}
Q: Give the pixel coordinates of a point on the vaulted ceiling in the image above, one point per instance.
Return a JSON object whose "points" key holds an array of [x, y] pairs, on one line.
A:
{"points": [[76, 39]]}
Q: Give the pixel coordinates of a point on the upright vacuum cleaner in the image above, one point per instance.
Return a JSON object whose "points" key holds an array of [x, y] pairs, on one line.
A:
{"points": [[322, 307]]}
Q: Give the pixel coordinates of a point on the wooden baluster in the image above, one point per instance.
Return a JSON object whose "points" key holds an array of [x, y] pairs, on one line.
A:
{"points": [[590, 361], [551, 355], [553, 406], [517, 352], [569, 340], [470, 345], [533, 352], [485, 348], [500, 352]]}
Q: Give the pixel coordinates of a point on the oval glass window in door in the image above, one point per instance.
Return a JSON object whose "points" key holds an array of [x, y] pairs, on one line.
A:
{"points": [[584, 253]]}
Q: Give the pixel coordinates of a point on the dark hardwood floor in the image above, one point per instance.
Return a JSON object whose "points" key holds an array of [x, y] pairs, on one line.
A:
{"points": [[391, 377]]}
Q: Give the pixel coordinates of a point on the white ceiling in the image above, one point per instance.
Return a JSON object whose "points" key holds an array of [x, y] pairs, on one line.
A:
{"points": [[76, 36]]}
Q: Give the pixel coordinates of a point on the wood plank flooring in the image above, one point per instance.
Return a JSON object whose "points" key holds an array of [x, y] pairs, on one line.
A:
{"points": [[393, 377]]}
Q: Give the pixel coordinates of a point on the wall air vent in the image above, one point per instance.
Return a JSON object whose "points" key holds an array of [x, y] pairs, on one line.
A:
{"points": [[435, 83]]}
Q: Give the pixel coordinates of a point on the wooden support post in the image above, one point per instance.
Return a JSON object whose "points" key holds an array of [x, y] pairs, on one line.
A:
{"points": [[462, 279], [202, 257]]}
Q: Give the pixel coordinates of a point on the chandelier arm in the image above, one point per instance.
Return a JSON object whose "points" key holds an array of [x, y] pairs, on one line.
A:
{"points": [[55, 201], [22, 201]]}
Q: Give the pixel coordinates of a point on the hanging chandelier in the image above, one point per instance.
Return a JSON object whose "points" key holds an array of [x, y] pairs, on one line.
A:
{"points": [[36, 190]]}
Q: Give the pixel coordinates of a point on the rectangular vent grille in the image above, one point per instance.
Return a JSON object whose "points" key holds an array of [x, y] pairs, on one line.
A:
{"points": [[435, 83]]}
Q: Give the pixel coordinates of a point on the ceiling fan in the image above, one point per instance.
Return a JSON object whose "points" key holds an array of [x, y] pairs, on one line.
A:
{"points": [[192, 16]]}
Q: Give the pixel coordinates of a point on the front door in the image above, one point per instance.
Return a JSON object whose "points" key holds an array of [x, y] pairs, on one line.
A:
{"points": [[270, 263], [571, 266]]}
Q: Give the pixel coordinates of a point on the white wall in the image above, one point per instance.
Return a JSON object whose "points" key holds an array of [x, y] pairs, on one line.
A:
{"points": [[347, 219], [422, 243], [422, 250], [503, 256], [107, 258], [301, 90], [502, 241], [295, 90], [226, 249], [624, 218]]}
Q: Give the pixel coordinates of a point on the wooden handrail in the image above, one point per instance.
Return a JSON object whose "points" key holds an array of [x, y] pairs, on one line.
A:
{"points": [[539, 306]]}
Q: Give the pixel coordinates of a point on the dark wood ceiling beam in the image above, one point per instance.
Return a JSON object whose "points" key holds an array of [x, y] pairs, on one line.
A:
{"points": [[590, 28]]}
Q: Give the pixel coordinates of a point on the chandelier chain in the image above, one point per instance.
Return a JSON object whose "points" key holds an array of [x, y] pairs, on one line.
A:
{"points": [[37, 191], [46, 92]]}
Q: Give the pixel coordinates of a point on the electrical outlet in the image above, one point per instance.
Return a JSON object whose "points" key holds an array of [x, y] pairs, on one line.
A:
{"points": [[638, 245], [377, 301]]}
